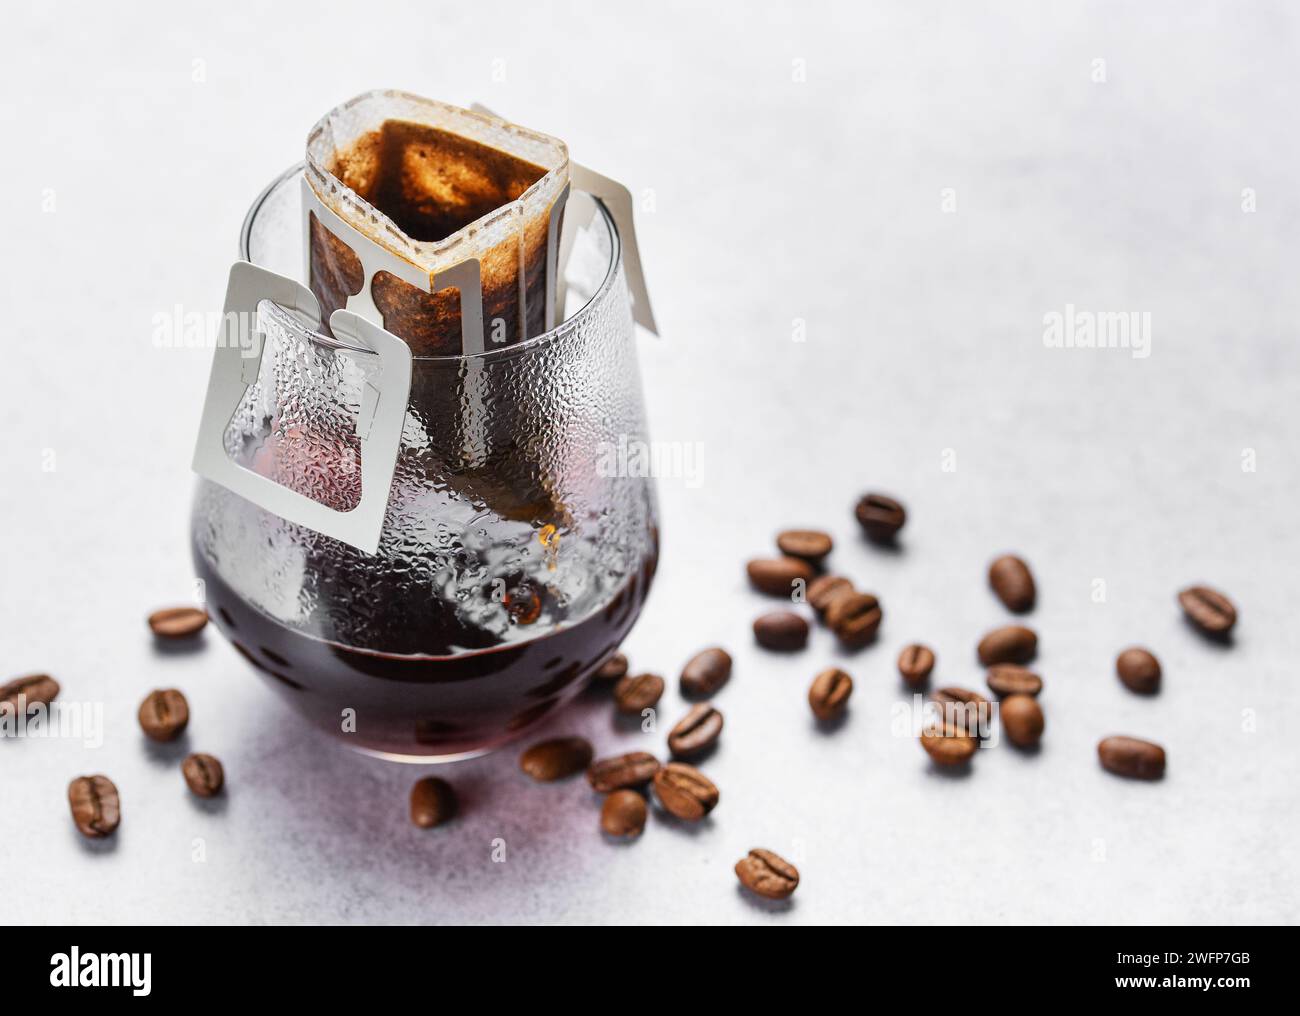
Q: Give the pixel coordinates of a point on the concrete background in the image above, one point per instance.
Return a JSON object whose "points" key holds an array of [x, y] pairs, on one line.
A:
{"points": [[782, 209]]}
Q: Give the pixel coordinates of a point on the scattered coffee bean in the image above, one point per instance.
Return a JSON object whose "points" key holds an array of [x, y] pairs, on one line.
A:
{"points": [[825, 589], [555, 759], [203, 774], [811, 545], [612, 669], [433, 802], [622, 772], [1012, 644], [966, 711], [1013, 582], [164, 715], [946, 747], [96, 809], [705, 673], [178, 622], [1022, 719], [767, 874], [685, 792], [830, 693], [1131, 757], [1008, 679], [777, 576], [1139, 670], [637, 692], [915, 664], [855, 619], [1208, 609], [696, 732], [26, 692], [623, 814], [880, 517], [782, 631]]}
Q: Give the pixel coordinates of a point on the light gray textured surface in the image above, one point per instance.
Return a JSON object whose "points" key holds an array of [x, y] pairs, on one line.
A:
{"points": [[774, 200]]}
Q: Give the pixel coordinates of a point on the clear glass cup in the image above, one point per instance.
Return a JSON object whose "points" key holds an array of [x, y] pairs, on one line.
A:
{"points": [[517, 547]]}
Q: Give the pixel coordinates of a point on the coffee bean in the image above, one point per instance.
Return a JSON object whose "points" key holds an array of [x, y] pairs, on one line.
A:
{"points": [[915, 664], [948, 748], [705, 673], [809, 545], [623, 814], [22, 693], [767, 874], [777, 576], [1139, 670], [1131, 757], [178, 622], [612, 669], [1013, 582], [1008, 679], [635, 769], [782, 631], [552, 760], [164, 715], [1022, 719], [203, 774], [1012, 644], [880, 517], [433, 802], [696, 732], [96, 809], [855, 619], [967, 711], [830, 693], [1208, 609], [685, 792], [825, 590], [637, 692]]}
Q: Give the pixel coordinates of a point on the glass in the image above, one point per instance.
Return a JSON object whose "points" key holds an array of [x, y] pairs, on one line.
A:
{"points": [[517, 550]]}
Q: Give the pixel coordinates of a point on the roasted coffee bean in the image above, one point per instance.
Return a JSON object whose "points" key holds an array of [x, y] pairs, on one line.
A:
{"points": [[1208, 609], [22, 693], [705, 673], [1022, 720], [685, 792], [178, 622], [767, 874], [830, 693], [96, 809], [781, 630], [1008, 679], [1131, 757], [777, 576], [968, 711], [825, 590], [635, 769], [915, 664], [1012, 644], [696, 732], [948, 748], [203, 774], [555, 759], [612, 669], [1013, 582], [1139, 670], [623, 814], [809, 545], [164, 715], [433, 802], [637, 692], [855, 619], [880, 517]]}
